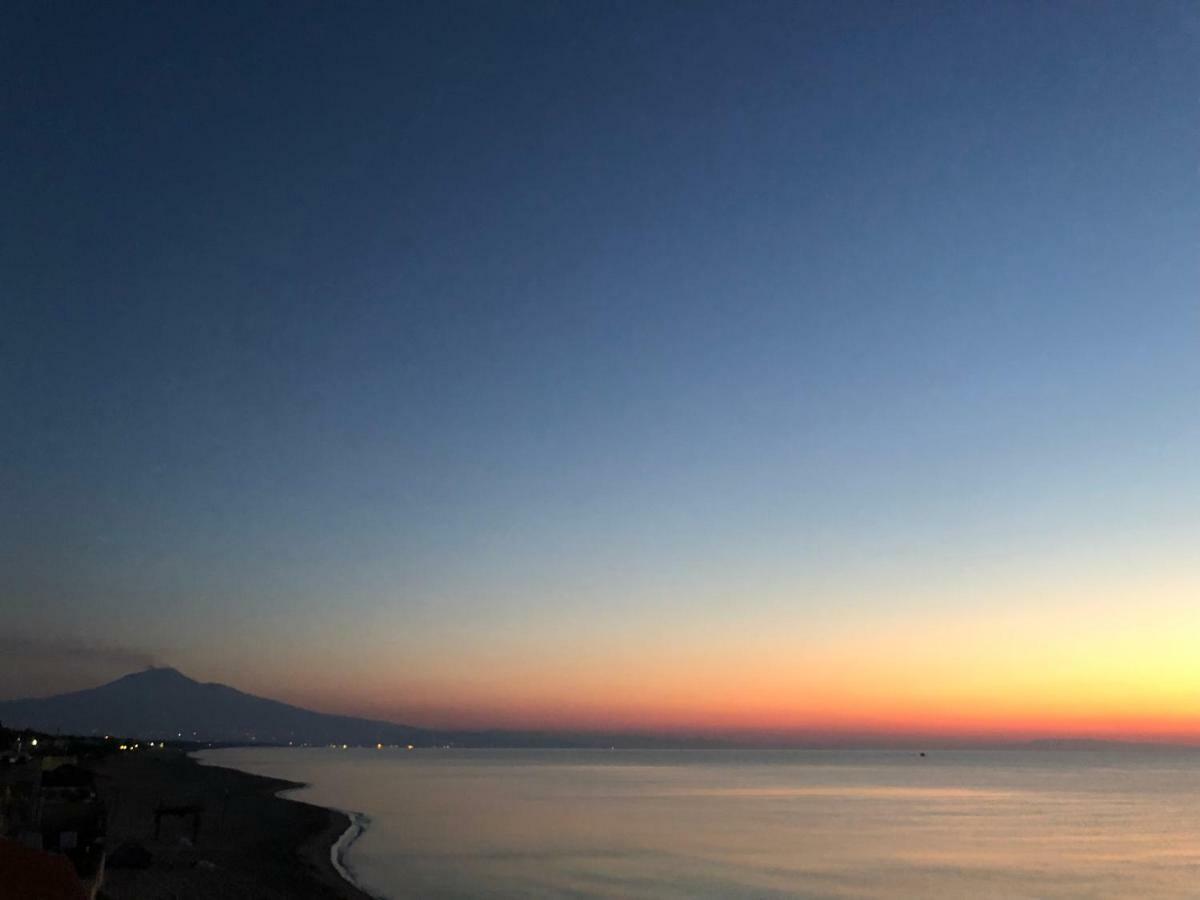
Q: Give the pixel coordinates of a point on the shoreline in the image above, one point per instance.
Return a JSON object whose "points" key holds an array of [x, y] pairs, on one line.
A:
{"points": [[338, 851], [331, 849], [356, 826], [338, 848], [253, 843]]}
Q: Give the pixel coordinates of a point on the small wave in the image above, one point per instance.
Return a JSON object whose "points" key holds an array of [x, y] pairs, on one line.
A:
{"points": [[359, 822]]}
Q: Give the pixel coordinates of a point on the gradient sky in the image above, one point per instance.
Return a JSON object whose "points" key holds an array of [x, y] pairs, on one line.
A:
{"points": [[770, 366]]}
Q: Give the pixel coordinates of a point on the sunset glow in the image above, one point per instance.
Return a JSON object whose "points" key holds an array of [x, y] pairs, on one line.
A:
{"points": [[822, 373], [1096, 665]]}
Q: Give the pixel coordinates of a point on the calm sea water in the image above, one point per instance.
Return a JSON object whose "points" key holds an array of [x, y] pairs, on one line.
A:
{"points": [[454, 823]]}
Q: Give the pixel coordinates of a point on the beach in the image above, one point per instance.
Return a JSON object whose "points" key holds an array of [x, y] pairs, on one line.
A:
{"points": [[250, 843]]}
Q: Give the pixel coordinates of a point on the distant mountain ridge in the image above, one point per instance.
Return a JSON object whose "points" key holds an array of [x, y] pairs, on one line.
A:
{"points": [[164, 704]]}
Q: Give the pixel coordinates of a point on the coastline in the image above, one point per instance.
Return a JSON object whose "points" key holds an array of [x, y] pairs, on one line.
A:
{"points": [[355, 826], [330, 847], [252, 842], [338, 851]]}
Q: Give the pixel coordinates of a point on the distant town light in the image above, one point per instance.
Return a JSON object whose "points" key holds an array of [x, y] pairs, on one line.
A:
{"points": [[33, 743], [410, 746], [345, 746]]}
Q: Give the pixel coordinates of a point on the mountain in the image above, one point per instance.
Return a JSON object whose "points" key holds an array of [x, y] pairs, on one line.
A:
{"points": [[163, 704]]}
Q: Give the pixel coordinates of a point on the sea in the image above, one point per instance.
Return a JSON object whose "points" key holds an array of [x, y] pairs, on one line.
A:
{"points": [[807, 823]]}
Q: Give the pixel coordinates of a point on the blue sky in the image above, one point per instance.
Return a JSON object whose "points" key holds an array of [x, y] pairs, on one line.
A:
{"points": [[449, 316]]}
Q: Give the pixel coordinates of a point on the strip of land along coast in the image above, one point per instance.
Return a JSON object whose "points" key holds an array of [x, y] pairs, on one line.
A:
{"points": [[224, 834]]}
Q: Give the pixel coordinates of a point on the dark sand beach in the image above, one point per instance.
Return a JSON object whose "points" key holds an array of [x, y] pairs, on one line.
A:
{"points": [[250, 843]]}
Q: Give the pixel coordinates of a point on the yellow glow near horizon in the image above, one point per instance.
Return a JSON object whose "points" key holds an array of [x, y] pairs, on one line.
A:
{"points": [[1106, 657]]}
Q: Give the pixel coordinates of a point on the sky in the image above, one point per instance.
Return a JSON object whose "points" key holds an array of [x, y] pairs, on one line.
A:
{"points": [[712, 367]]}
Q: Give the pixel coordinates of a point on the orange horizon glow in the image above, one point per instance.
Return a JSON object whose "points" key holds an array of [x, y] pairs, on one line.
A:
{"points": [[1081, 717], [897, 721], [1055, 709], [1103, 663]]}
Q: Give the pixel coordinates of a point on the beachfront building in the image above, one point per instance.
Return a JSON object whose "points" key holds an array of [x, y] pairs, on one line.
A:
{"points": [[51, 817]]}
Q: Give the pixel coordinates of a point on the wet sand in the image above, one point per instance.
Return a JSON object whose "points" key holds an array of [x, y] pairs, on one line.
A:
{"points": [[250, 844]]}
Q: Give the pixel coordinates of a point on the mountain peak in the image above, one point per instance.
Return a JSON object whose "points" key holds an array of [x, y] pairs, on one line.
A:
{"points": [[161, 702], [157, 675]]}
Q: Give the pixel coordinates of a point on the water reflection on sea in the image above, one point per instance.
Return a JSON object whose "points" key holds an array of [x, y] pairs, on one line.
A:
{"points": [[1017, 823]]}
